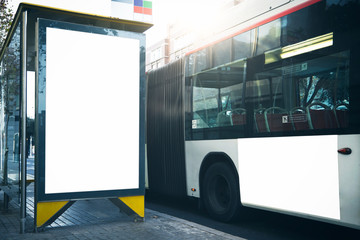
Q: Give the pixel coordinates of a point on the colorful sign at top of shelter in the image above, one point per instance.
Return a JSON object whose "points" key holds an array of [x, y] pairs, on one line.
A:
{"points": [[144, 7], [138, 10]]}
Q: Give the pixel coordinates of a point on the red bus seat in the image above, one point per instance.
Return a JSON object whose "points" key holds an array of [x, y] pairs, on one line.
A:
{"points": [[277, 120], [321, 117]]}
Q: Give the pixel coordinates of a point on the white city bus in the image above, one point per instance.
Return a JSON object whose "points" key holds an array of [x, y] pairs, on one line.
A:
{"points": [[267, 117]]}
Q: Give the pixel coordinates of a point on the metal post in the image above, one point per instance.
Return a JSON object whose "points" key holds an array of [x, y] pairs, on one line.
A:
{"points": [[23, 122], [6, 202]]}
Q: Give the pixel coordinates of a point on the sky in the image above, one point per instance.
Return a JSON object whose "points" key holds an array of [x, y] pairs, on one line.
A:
{"points": [[160, 14], [164, 11]]}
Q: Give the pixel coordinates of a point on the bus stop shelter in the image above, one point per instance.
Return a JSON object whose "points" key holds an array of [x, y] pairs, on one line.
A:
{"points": [[84, 75]]}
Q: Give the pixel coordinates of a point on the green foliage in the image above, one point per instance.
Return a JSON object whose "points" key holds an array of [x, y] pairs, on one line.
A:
{"points": [[6, 15]]}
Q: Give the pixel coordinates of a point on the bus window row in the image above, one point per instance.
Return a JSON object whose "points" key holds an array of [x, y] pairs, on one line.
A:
{"points": [[309, 95]]}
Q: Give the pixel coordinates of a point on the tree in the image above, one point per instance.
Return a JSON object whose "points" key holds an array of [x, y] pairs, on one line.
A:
{"points": [[6, 15], [10, 106], [9, 93]]}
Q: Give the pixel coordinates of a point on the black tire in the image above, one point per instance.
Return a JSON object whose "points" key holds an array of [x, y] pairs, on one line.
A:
{"points": [[220, 192]]}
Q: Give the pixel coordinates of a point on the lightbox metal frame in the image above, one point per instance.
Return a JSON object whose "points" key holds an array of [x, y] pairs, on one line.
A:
{"points": [[40, 160]]}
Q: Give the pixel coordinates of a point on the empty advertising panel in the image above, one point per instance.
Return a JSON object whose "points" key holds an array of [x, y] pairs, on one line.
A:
{"points": [[89, 109]]}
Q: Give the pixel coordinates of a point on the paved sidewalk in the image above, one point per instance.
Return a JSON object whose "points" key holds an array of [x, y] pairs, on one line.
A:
{"points": [[100, 219]]}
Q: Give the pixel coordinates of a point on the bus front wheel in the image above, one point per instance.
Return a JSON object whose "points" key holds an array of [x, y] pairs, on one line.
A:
{"points": [[221, 194]]}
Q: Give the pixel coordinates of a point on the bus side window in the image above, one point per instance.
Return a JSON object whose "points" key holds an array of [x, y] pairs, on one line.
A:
{"points": [[325, 94], [311, 95], [205, 107]]}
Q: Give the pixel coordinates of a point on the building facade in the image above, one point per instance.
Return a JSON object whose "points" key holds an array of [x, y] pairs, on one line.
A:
{"points": [[185, 35]]}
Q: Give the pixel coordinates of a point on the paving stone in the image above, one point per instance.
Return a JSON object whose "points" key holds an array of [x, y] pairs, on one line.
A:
{"points": [[100, 219]]}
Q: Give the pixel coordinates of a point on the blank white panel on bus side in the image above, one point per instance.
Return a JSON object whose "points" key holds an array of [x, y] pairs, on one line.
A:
{"points": [[92, 112], [349, 179], [296, 174]]}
